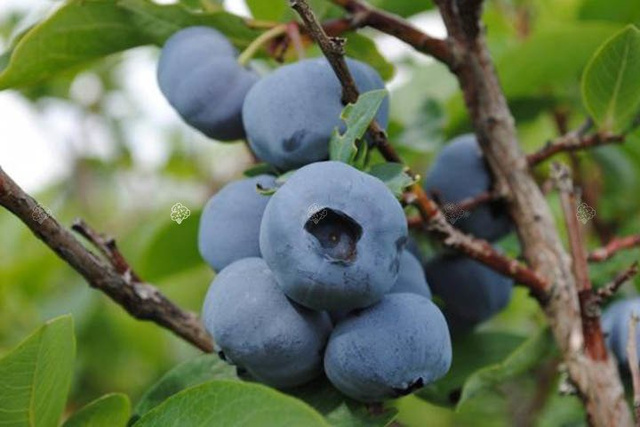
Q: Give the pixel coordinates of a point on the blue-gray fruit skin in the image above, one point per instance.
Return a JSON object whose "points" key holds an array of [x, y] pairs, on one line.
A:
{"points": [[411, 277], [615, 324], [256, 327], [389, 349], [460, 172], [230, 222], [333, 237], [290, 115], [199, 75], [471, 292]]}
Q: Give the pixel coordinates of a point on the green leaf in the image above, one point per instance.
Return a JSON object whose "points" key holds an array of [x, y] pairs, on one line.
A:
{"points": [[190, 373], [230, 403], [266, 191], [173, 249], [36, 376], [524, 358], [320, 394], [471, 352], [270, 10], [78, 32], [158, 22], [357, 117], [394, 176], [339, 410], [4, 60], [562, 410], [546, 66], [550, 58], [111, 410], [613, 10], [610, 85], [82, 31]]}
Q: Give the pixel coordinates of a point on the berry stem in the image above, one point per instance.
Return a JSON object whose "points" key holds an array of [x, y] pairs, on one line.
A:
{"points": [[262, 39]]}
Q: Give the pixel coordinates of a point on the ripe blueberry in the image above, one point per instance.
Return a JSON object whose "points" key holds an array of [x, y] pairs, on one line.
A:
{"points": [[389, 349], [470, 291], [460, 172], [290, 115], [256, 327], [333, 237], [199, 75], [230, 223]]}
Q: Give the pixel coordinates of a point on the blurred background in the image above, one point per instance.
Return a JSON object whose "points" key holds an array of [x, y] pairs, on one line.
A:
{"points": [[101, 143]]}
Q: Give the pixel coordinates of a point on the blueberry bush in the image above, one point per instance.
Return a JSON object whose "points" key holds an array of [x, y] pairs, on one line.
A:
{"points": [[324, 228]]}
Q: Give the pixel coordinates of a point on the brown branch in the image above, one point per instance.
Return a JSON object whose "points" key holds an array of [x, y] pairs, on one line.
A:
{"points": [[597, 381], [589, 307], [108, 247], [608, 290], [471, 203], [613, 247], [573, 142], [465, 205], [632, 355], [591, 189], [434, 220], [115, 278], [333, 49], [365, 15]]}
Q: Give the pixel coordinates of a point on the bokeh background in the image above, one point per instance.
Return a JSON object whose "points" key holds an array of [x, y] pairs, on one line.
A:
{"points": [[102, 144]]}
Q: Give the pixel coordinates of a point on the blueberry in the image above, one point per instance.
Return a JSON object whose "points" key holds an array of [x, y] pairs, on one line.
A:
{"points": [[333, 236], [411, 278], [230, 223], [257, 328], [471, 292], [389, 349], [290, 115], [615, 323], [460, 172], [199, 75]]}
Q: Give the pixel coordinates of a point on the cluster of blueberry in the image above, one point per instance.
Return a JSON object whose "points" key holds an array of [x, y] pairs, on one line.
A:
{"points": [[471, 292], [319, 281], [315, 278]]}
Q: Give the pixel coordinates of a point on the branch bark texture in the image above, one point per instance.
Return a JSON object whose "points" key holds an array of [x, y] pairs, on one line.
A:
{"points": [[433, 218], [589, 302], [597, 381], [114, 278]]}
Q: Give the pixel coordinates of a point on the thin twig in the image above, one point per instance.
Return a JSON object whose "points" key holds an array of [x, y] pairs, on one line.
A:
{"points": [[596, 382], [115, 278], [589, 308], [608, 290], [573, 142], [613, 247], [108, 247], [562, 178], [434, 220], [632, 356], [363, 15], [259, 42], [464, 206], [293, 31]]}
